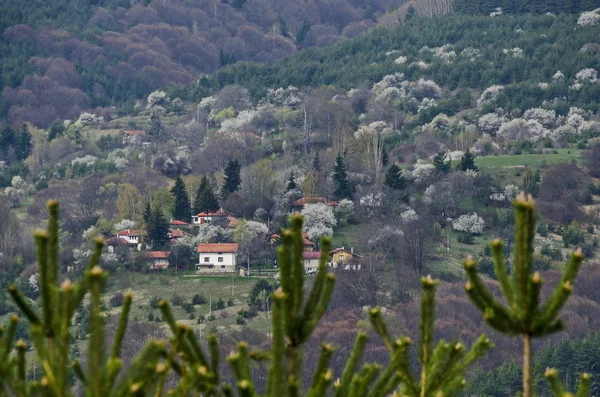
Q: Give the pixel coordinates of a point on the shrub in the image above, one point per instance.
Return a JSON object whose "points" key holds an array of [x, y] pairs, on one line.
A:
{"points": [[240, 320], [201, 319], [192, 316], [177, 300], [117, 300], [211, 317], [150, 317], [154, 301], [466, 238], [188, 307], [229, 302], [199, 299], [573, 235], [542, 263]]}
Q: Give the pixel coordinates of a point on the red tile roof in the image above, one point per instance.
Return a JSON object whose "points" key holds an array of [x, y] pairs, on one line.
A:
{"points": [[176, 233], [214, 248], [311, 255], [313, 200], [134, 132], [218, 213], [156, 254], [116, 241], [130, 232], [233, 221], [178, 222]]}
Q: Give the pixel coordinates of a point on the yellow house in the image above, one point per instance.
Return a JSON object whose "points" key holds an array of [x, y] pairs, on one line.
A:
{"points": [[341, 255]]}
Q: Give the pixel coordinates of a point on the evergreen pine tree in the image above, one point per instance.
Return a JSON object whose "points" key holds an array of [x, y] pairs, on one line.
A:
{"points": [[147, 212], [385, 157], [206, 200], [291, 185], [23, 148], [182, 209], [394, 178], [157, 131], [233, 178], [317, 163], [57, 128], [340, 178], [468, 162], [441, 164], [158, 230]]}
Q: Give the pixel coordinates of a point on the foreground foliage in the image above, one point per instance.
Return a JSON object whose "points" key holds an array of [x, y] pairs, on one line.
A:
{"points": [[294, 318]]}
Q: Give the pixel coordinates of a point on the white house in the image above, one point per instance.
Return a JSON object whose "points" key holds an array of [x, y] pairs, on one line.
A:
{"points": [[204, 217], [216, 258], [133, 237], [311, 261]]}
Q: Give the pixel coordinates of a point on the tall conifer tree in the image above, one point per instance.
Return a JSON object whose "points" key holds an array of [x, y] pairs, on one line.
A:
{"points": [[291, 185], [206, 200], [233, 178], [394, 178], [158, 230], [182, 210], [468, 162], [441, 163], [340, 178]]}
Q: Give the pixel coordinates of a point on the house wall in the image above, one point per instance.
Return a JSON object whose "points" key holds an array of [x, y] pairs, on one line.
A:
{"points": [[310, 264], [226, 266], [159, 263], [341, 257]]}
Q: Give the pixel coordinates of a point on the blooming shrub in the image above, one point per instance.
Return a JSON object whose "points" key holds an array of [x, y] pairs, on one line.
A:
{"points": [[489, 94], [472, 224], [589, 18]]}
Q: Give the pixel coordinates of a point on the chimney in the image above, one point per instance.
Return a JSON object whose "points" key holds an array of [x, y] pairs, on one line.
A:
{"points": [[343, 247], [352, 250]]}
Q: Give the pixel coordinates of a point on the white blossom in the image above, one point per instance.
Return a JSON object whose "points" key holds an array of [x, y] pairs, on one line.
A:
{"points": [[490, 94], [156, 98], [344, 210], [401, 60], [124, 225], [242, 120], [33, 281], [471, 173], [543, 116], [515, 52], [496, 13], [558, 76], [87, 160], [587, 74], [422, 170], [490, 123], [420, 64], [319, 220], [86, 119], [409, 216], [456, 155], [208, 103], [522, 129], [589, 17], [470, 53], [429, 195], [472, 224], [511, 191]]}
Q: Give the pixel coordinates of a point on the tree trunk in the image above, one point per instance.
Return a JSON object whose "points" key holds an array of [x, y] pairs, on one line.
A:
{"points": [[527, 365]]}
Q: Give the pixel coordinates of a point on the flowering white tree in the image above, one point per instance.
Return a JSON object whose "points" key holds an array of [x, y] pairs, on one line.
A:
{"points": [[422, 170], [124, 225], [511, 191], [589, 17], [319, 220], [543, 116], [87, 119], [558, 76], [472, 224], [496, 13], [156, 98], [409, 215], [241, 121], [370, 144], [490, 123], [489, 94], [522, 129]]}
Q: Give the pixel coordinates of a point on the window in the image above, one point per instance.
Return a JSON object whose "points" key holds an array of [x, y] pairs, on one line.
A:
{"points": [[222, 266], [220, 259], [210, 266], [206, 259], [341, 258]]}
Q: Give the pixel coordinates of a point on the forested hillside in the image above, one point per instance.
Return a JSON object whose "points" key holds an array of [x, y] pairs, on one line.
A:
{"points": [[60, 57]]}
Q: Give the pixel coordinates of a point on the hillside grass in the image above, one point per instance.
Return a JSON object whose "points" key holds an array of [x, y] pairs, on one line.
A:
{"points": [[524, 160]]}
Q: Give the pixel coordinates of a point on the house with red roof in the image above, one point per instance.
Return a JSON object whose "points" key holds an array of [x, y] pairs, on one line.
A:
{"points": [[204, 217], [309, 246], [176, 234], [113, 244], [134, 238], [156, 259], [311, 261], [342, 257], [300, 203], [216, 258], [176, 223]]}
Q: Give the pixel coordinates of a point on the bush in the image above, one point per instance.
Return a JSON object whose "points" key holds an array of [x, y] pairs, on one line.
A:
{"points": [[240, 320], [542, 229], [188, 307], [154, 301], [542, 263], [177, 300], [199, 299], [192, 316], [229, 302], [211, 317], [466, 238], [150, 317], [573, 235], [218, 305], [590, 229], [116, 300], [486, 266]]}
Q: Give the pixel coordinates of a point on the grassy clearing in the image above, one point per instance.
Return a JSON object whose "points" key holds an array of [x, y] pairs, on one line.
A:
{"points": [[522, 160], [347, 236]]}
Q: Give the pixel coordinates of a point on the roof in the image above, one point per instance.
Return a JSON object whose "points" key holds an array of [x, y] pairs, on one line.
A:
{"points": [[218, 213], [176, 233], [156, 254], [130, 232], [116, 241], [336, 250], [311, 255], [304, 236], [218, 247], [178, 222], [233, 221], [313, 200], [134, 132]]}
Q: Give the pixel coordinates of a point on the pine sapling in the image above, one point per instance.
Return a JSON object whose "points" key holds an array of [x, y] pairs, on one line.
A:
{"points": [[522, 313]]}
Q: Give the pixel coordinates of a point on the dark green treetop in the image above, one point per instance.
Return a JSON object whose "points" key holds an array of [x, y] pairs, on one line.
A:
{"points": [[206, 200], [233, 178], [182, 210], [340, 178], [468, 162], [441, 164]]}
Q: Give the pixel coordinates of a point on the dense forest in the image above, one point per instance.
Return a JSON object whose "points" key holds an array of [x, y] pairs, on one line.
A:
{"points": [[405, 143]]}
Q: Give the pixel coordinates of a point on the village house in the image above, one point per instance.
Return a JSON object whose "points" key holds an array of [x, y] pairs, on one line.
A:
{"points": [[156, 259], [176, 234], [177, 224], [216, 258], [113, 244], [342, 257], [309, 246], [300, 203], [204, 217], [311, 261], [132, 137], [135, 238]]}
